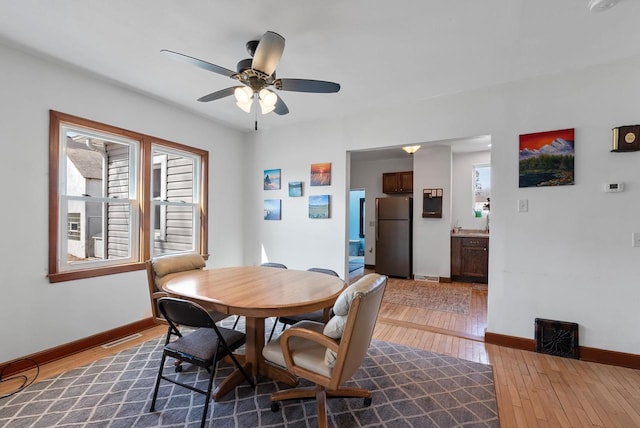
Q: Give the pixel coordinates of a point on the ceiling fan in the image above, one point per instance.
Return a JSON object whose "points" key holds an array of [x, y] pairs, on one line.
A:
{"points": [[257, 77]]}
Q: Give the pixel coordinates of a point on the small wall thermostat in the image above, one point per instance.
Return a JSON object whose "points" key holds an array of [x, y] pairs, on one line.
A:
{"points": [[613, 187]]}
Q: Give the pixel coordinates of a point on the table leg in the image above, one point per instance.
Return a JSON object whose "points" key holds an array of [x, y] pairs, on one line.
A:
{"points": [[254, 344], [253, 362]]}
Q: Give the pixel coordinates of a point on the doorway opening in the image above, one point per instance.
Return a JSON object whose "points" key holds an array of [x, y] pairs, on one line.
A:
{"points": [[357, 227]]}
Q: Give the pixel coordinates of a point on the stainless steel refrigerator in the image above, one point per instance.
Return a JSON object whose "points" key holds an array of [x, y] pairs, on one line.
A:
{"points": [[394, 236]]}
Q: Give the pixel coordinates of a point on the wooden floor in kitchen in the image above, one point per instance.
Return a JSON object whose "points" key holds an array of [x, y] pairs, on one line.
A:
{"points": [[533, 390]]}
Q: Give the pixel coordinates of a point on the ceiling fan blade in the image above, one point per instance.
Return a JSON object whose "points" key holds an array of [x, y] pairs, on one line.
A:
{"points": [[281, 108], [198, 63], [306, 85], [268, 53], [218, 94]]}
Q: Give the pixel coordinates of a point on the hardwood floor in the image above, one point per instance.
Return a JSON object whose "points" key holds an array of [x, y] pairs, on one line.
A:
{"points": [[533, 390]]}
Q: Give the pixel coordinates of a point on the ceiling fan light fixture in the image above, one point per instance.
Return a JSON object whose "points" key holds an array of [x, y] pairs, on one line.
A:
{"points": [[245, 106], [268, 98], [243, 95], [411, 149], [265, 109]]}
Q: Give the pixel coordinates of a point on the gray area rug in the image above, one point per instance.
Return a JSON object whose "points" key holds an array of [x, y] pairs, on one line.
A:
{"points": [[410, 388]]}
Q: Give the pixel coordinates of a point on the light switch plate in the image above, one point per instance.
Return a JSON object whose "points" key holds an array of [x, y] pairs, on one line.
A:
{"points": [[635, 239], [523, 205]]}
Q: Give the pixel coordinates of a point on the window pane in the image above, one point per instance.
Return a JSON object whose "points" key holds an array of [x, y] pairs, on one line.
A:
{"points": [[96, 166], [86, 237], [178, 175], [178, 234], [482, 187], [98, 190], [174, 190]]}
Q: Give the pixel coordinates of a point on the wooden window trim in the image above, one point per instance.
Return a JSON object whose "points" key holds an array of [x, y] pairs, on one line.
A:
{"points": [[144, 192]]}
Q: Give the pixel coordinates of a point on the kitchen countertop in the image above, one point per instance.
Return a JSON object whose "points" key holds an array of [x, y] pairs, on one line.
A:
{"points": [[470, 233]]}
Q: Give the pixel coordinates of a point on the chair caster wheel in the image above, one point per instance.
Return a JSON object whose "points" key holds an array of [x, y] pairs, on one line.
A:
{"points": [[367, 401], [275, 406], [178, 369]]}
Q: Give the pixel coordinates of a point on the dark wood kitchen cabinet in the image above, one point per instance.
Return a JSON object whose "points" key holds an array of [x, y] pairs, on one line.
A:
{"points": [[397, 182], [470, 259]]}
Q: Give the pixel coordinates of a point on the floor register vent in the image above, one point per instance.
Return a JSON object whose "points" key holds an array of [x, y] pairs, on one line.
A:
{"points": [[557, 338]]}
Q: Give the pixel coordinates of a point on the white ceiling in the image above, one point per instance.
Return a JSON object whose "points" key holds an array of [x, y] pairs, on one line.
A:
{"points": [[383, 53]]}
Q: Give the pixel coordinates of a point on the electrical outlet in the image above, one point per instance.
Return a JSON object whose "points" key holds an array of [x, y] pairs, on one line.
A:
{"points": [[523, 205], [635, 239]]}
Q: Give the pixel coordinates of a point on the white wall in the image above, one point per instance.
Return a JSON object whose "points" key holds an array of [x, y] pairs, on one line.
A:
{"points": [[36, 314], [432, 236], [296, 241], [569, 258]]}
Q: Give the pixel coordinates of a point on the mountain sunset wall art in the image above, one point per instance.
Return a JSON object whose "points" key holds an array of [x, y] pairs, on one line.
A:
{"points": [[546, 158]]}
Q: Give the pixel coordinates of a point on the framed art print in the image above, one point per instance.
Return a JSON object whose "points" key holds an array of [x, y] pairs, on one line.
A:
{"points": [[295, 189], [271, 179], [320, 174], [272, 209], [319, 206], [546, 158]]}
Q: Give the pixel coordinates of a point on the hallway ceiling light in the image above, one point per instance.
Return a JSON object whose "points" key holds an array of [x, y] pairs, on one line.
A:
{"points": [[411, 149]]}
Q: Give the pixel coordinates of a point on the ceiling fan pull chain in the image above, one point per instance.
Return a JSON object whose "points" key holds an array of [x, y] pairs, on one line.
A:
{"points": [[255, 110]]}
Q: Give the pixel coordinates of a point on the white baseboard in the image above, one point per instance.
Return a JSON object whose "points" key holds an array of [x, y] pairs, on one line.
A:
{"points": [[426, 278]]}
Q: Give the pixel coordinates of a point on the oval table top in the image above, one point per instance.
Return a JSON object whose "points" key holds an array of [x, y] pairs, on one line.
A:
{"points": [[257, 291]]}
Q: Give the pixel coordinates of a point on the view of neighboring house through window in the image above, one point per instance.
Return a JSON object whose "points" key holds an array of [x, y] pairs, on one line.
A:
{"points": [[174, 200], [481, 189], [98, 197], [99, 181], [159, 192]]}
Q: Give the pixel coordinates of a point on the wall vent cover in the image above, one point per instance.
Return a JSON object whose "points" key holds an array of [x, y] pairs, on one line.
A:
{"points": [[557, 338]]}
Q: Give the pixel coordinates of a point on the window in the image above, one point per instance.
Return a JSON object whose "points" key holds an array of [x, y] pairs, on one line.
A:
{"points": [[101, 222], [175, 205], [481, 189]]}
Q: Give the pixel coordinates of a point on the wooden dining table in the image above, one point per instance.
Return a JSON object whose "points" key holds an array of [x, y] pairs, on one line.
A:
{"points": [[256, 293]]}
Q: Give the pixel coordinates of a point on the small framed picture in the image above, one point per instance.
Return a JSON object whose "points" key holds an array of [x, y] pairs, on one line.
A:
{"points": [[271, 179], [320, 174], [319, 206], [295, 189], [272, 209]]}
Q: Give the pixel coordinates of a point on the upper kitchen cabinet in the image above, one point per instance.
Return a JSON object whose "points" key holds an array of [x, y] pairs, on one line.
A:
{"points": [[397, 182]]}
